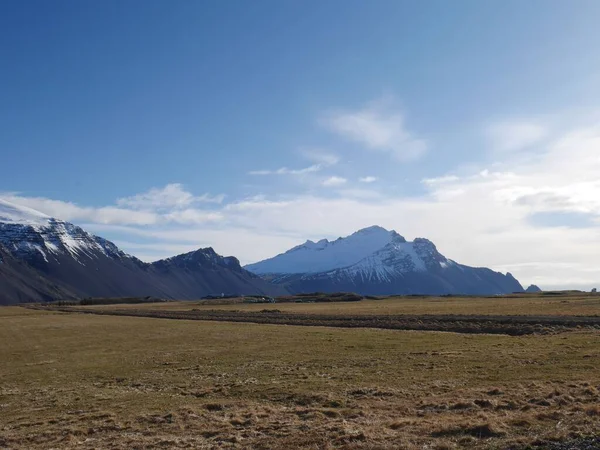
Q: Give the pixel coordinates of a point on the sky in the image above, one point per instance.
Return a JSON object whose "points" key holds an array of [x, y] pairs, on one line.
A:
{"points": [[254, 126]]}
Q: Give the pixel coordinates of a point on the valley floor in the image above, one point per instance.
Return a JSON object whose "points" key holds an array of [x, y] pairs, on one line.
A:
{"points": [[565, 304], [100, 381]]}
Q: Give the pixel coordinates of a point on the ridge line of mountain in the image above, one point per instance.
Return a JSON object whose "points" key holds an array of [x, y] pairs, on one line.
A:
{"points": [[44, 258], [375, 261]]}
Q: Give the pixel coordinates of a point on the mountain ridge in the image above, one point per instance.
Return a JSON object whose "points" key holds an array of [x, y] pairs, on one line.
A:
{"points": [[397, 266], [43, 258], [333, 254]]}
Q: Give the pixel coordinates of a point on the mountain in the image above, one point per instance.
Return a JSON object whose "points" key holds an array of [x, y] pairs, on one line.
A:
{"points": [[375, 261], [43, 258], [21, 283], [533, 288], [313, 257], [203, 272]]}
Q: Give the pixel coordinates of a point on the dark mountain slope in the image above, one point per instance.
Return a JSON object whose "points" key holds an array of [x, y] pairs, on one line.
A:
{"points": [[22, 283], [44, 258]]}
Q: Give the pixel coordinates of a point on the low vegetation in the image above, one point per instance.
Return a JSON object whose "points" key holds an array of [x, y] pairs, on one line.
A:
{"points": [[566, 304], [92, 301], [472, 324], [320, 297], [315, 297], [104, 381]]}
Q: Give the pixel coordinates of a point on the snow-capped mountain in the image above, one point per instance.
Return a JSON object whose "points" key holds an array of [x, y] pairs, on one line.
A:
{"points": [[375, 261], [42, 258], [29, 234], [314, 257]]}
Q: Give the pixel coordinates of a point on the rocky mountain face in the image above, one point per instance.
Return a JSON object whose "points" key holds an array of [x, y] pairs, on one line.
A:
{"points": [[204, 272], [375, 261], [42, 258], [20, 282]]}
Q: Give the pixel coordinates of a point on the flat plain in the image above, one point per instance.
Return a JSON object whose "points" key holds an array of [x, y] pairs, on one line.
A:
{"points": [[564, 304], [71, 380]]}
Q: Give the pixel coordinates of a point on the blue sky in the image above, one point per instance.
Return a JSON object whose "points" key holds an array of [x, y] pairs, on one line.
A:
{"points": [[252, 126]]}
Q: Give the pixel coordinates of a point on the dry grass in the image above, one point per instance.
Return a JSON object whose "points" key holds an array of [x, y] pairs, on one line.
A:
{"points": [[579, 304], [88, 381], [481, 324]]}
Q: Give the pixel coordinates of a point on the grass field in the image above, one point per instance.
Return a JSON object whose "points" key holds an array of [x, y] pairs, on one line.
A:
{"points": [[579, 304], [90, 381]]}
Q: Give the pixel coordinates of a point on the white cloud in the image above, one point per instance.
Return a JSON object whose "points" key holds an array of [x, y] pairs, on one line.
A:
{"points": [[440, 180], [193, 216], [286, 171], [170, 196], [378, 128], [334, 181], [367, 179], [72, 212], [359, 193], [171, 204], [320, 157], [512, 136], [482, 218]]}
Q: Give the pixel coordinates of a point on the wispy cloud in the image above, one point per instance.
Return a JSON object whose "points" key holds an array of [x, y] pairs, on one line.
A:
{"points": [[170, 196], [334, 181], [515, 135], [321, 157], [498, 218], [368, 179], [355, 193], [169, 204], [439, 180], [70, 211], [377, 127], [193, 216], [286, 171]]}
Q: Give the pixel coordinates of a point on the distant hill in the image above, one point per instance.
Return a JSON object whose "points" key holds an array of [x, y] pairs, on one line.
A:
{"points": [[533, 288], [375, 261]]}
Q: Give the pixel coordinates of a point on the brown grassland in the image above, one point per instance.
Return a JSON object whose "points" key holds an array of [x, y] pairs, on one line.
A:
{"points": [[100, 381], [574, 304]]}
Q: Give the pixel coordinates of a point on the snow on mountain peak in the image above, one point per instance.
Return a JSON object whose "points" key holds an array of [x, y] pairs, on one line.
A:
{"points": [[371, 229], [18, 214], [27, 232], [324, 255], [313, 245]]}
